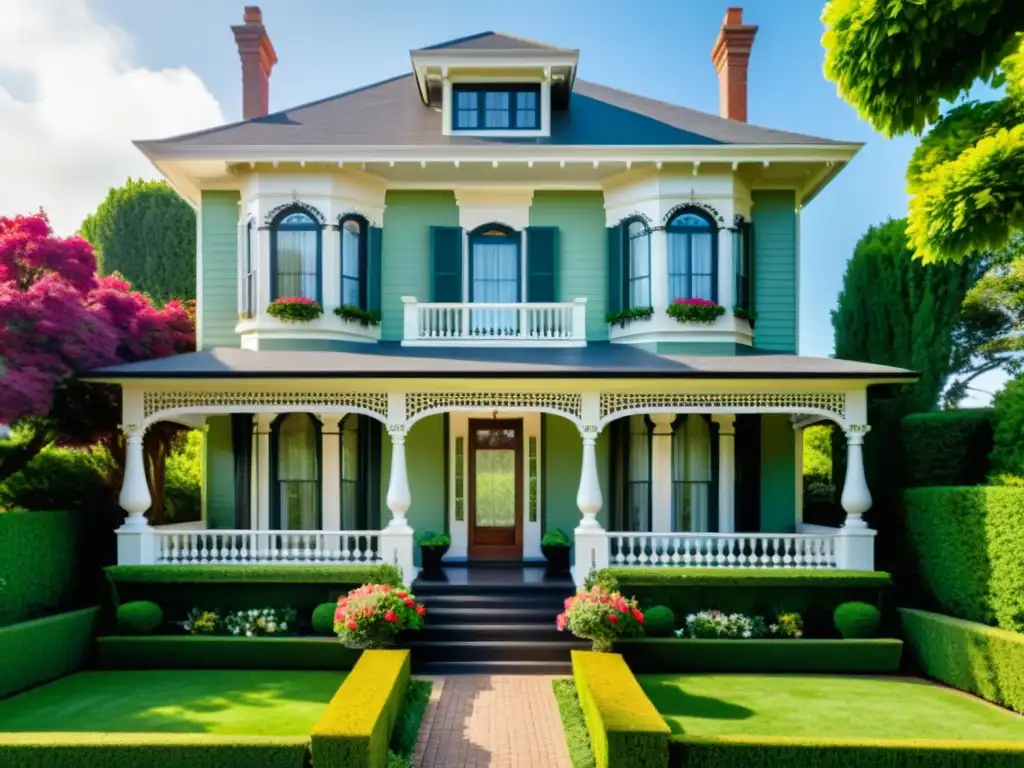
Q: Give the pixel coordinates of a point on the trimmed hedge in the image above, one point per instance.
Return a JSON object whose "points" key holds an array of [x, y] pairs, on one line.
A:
{"points": [[38, 651], [857, 657], [812, 593], [322, 620], [976, 658], [625, 729], [967, 544], [355, 730], [139, 618], [782, 752], [946, 447], [205, 652], [857, 621], [39, 563], [150, 750]]}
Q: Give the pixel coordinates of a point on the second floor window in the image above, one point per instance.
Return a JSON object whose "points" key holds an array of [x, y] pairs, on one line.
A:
{"points": [[353, 261], [638, 266], [295, 242], [741, 245], [247, 294], [496, 107], [692, 253]]}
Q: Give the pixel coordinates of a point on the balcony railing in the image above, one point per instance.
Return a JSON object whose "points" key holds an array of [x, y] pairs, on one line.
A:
{"points": [[248, 547], [485, 324]]}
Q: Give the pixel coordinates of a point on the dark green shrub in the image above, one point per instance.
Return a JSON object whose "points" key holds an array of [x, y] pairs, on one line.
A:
{"points": [[604, 578], [323, 618], [659, 621], [985, 661], [1008, 441], [61, 478], [856, 620], [38, 651], [947, 447], [556, 538], [140, 617], [966, 545], [217, 652]]}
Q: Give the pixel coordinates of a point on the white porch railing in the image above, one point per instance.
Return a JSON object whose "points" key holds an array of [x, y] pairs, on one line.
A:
{"points": [[556, 324], [723, 550], [240, 547]]}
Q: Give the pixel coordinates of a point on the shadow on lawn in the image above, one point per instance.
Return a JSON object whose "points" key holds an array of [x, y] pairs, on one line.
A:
{"points": [[674, 702]]}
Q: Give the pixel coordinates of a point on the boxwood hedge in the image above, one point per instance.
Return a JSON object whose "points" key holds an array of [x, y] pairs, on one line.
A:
{"points": [[946, 447], [205, 652]]}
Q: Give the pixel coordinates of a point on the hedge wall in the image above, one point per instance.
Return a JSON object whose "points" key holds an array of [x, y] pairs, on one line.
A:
{"points": [[39, 563], [855, 657], [35, 652], [780, 752], [947, 447], [625, 729], [967, 544], [169, 652], [150, 750], [982, 660], [356, 727], [812, 593]]}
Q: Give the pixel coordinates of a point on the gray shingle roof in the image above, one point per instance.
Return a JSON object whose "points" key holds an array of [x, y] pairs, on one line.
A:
{"points": [[390, 360], [494, 41]]}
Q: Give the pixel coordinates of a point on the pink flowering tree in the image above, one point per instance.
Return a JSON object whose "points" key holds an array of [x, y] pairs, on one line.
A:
{"points": [[57, 319]]}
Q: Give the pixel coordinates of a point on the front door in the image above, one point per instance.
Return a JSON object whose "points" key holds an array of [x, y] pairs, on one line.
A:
{"points": [[495, 489]]}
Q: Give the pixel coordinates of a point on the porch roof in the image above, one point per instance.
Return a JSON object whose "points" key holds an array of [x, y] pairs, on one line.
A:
{"points": [[391, 360]]}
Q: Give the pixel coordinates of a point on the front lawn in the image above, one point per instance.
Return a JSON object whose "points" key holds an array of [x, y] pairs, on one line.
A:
{"points": [[227, 702], [825, 705]]}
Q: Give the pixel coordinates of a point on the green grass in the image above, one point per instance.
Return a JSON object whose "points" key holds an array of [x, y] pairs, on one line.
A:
{"points": [[825, 705], [227, 702], [576, 736]]}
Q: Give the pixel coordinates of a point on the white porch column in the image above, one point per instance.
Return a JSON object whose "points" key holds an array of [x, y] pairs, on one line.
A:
{"points": [[590, 541], [661, 473], [262, 516], [330, 464], [726, 472], [135, 541], [855, 547], [396, 540]]}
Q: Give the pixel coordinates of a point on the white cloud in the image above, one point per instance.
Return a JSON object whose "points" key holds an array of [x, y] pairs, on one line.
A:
{"points": [[75, 101]]}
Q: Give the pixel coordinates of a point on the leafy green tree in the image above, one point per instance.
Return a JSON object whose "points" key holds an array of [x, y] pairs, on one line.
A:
{"points": [[897, 61], [818, 452], [146, 232], [1008, 450]]}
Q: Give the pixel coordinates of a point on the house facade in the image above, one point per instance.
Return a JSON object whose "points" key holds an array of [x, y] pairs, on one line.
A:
{"points": [[530, 303]]}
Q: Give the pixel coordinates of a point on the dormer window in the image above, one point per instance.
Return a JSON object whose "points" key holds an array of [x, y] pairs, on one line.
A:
{"points": [[496, 107]]}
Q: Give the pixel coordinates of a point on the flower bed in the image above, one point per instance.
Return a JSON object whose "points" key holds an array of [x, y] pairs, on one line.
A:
{"points": [[295, 309], [736, 626], [695, 311]]}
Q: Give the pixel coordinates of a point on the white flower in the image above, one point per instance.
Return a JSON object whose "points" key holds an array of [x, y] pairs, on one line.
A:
{"points": [[746, 633]]}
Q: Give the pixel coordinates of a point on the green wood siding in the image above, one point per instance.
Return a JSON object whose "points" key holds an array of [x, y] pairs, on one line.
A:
{"points": [[560, 478], [776, 262], [217, 304], [406, 250], [580, 219], [219, 477], [778, 473]]}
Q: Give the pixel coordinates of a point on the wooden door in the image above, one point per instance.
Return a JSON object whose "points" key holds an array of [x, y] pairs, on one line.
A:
{"points": [[495, 489]]}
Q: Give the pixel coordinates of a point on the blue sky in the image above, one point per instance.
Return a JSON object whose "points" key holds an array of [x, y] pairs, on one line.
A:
{"points": [[652, 47]]}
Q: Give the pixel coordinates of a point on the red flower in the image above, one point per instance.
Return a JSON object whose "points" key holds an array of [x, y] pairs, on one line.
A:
{"points": [[561, 621], [351, 624], [421, 610], [638, 616], [391, 616], [367, 611], [401, 593], [613, 619], [409, 602], [294, 300]]}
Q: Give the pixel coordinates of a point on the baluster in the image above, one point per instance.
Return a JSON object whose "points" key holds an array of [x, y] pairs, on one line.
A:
{"points": [[787, 556], [742, 544], [232, 554], [798, 551], [675, 551], [730, 556], [721, 545], [776, 557], [764, 559], [202, 548]]}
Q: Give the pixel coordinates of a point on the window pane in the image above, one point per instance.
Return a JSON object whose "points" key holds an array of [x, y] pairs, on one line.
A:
{"points": [[495, 270], [297, 219], [495, 488], [297, 474], [526, 109], [350, 448], [678, 265], [638, 481], [466, 115], [350, 236], [690, 220], [297, 262], [496, 110]]}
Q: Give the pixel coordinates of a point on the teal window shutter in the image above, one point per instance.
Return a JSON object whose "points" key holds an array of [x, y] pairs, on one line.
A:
{"points": [[375, 239], [542, 264], [616, 290], [446, 263]]}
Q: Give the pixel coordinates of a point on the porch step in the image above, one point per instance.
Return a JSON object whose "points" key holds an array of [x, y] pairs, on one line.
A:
{"points": [[492, 667], [448, 633], [495, 650]]}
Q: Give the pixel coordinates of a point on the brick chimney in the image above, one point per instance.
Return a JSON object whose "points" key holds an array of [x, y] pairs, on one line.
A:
{"points": [[258, 58], [730, 55]]}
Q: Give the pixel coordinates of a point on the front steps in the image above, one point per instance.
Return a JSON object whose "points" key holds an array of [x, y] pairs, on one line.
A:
{"points": [[492, 628]]}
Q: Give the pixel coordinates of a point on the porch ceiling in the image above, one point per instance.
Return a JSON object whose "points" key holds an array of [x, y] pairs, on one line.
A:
{"points": [[390, 360]]}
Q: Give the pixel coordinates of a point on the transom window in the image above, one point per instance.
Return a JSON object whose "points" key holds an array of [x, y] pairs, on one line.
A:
{"points": [[353, 261], [496, 107], [692, 253], [295, 255]]}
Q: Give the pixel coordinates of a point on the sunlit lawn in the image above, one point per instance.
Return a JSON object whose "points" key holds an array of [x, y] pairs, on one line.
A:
{"points": [[825, 706], [230, 702]]}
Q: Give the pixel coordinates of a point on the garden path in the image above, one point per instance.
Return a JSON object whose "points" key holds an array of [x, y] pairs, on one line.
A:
{"points": [[491, 721]]}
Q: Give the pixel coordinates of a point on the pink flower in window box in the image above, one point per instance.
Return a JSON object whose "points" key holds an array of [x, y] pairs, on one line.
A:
{"points": [[295, 309], [695, 310]]}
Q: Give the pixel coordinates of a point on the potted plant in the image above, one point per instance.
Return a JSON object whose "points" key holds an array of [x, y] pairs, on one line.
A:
{"points": [[601, 617], [695, 311], [433, 547], [295, 309], [556, 545], [373, 615]]}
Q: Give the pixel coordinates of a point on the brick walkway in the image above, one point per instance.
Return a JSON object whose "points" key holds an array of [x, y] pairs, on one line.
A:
{"points": [[496, 721]]}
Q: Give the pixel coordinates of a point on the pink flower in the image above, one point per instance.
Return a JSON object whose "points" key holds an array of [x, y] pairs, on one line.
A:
{"points": [[560, 621], [391, 616], [295, 300], [694, 302], [351, 624]]}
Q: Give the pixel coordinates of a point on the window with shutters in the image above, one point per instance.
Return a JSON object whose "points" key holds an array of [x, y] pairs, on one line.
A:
{"points": [[247, 290], [741, 249], [494, 277], [692, 256], [295, 255], [496, 107], [638, 265], [353, 231]]}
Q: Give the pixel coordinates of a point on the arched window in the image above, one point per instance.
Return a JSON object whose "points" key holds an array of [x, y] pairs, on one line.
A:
{"points": [[691, 474], [692, 256], [353, 261], [295, 243], [638, 265], [296, 502], [494, 277]]}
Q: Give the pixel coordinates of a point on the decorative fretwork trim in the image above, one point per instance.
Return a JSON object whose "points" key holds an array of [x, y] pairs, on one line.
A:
{"points": [[566, 403], [710, 210], [831, 402], [372, 402], [298, 204], [637, 216]]}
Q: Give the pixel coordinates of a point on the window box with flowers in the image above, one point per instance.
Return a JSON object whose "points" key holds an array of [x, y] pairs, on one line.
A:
{"points": [[695, 310], [745, 313], [354, 314], [295, 309], [628, 315]]}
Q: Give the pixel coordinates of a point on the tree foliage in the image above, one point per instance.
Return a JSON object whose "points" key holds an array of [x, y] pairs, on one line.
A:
{"points": [[147, 233], [896, 61], [1008, 451]]}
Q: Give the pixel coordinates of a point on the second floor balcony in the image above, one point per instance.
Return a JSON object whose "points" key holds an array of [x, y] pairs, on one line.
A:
{"points": [[485, 324]]}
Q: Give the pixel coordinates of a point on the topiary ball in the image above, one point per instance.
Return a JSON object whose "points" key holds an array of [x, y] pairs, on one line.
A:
{"points": [[855, 619], [140, 617], [323, 618], [659, 621]]}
